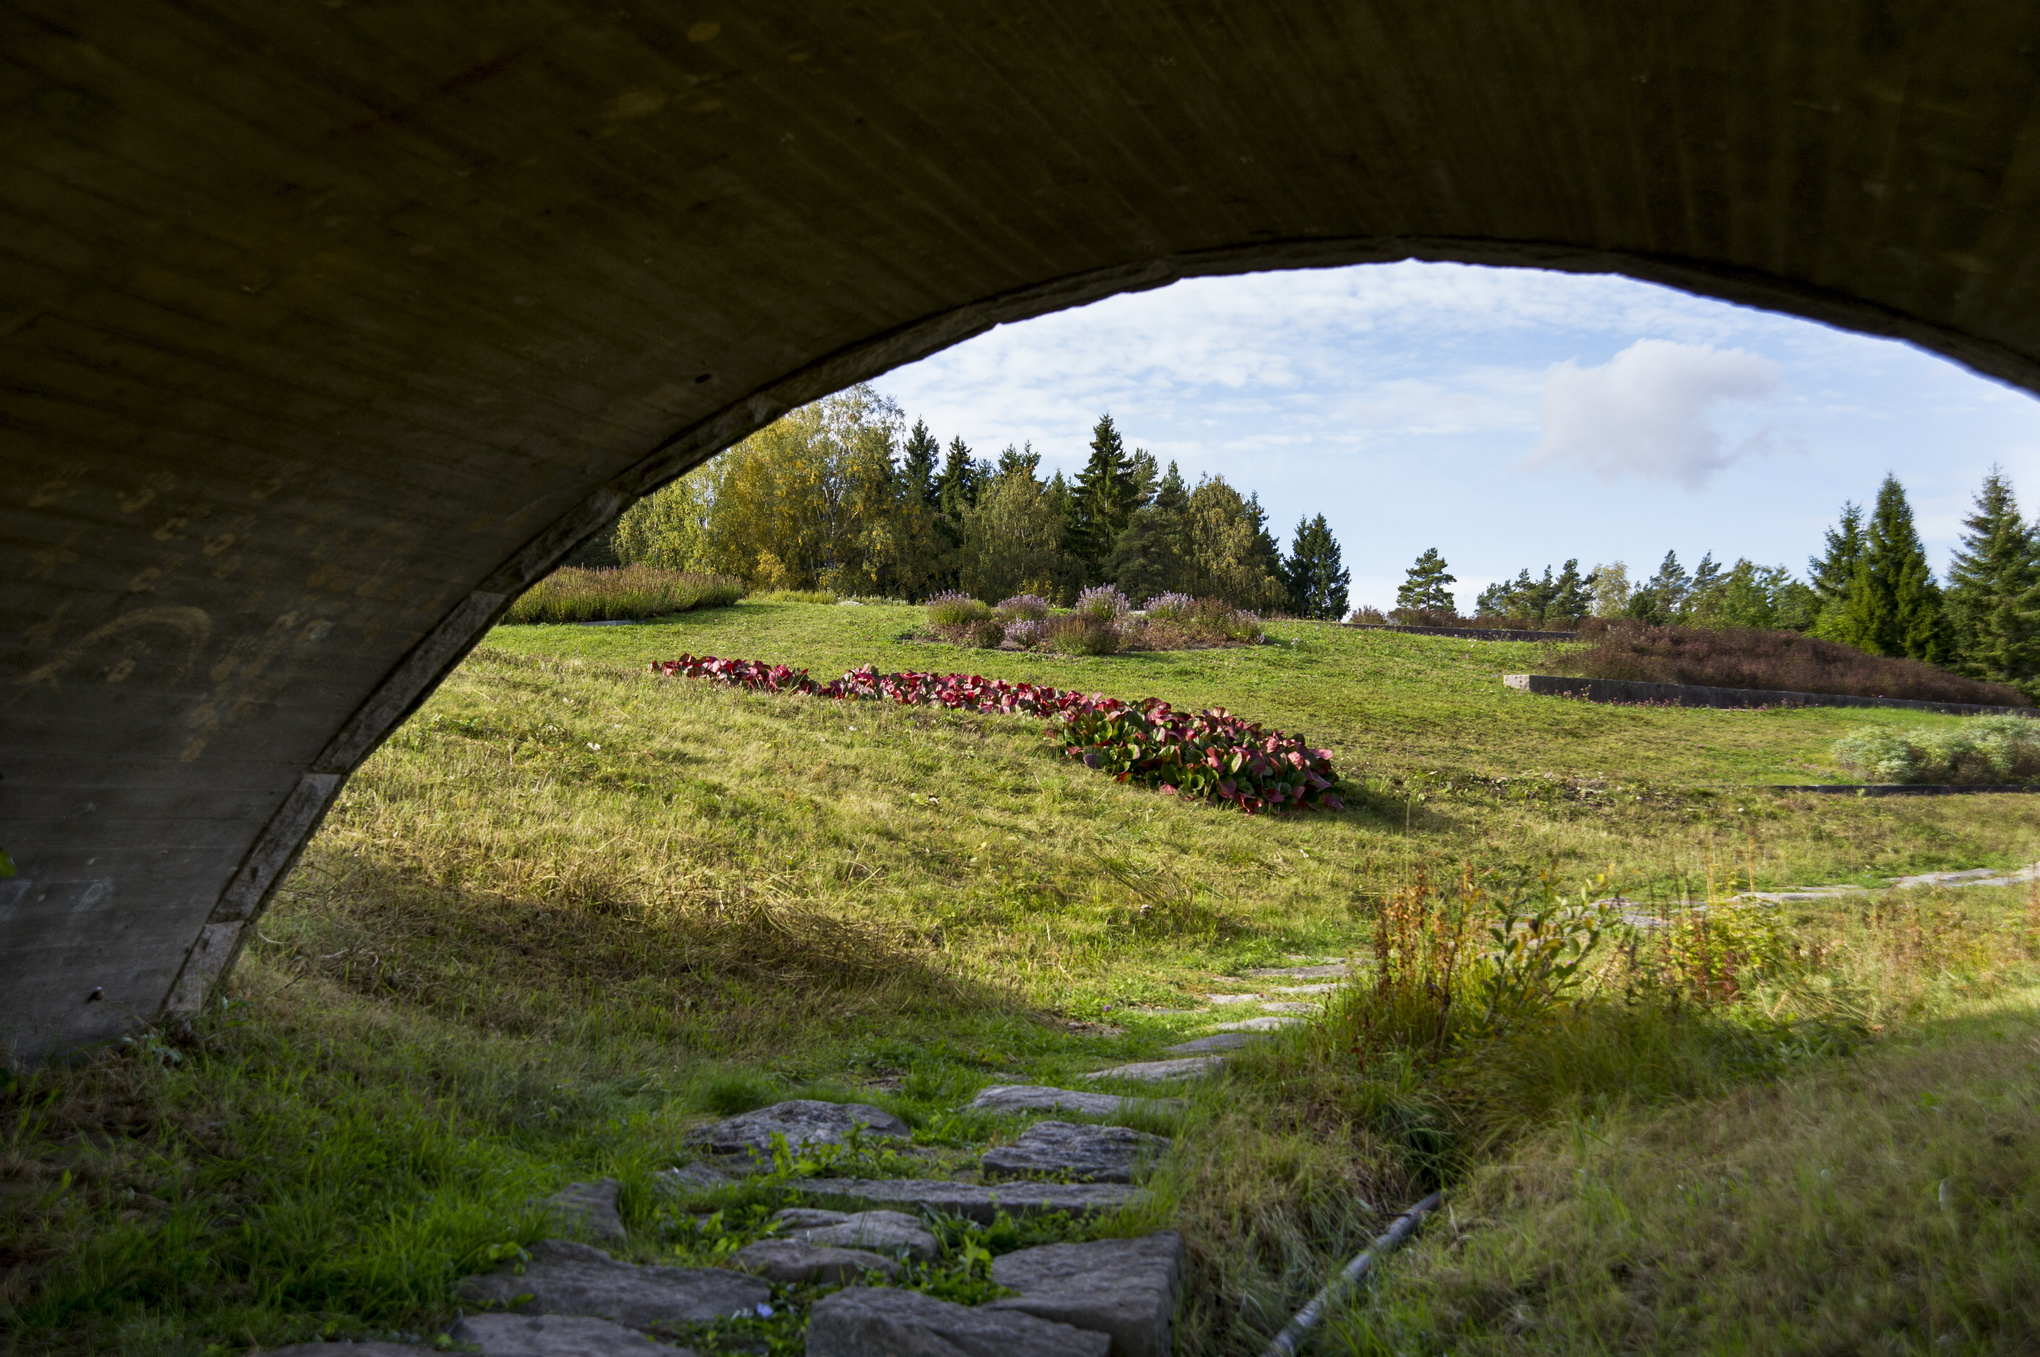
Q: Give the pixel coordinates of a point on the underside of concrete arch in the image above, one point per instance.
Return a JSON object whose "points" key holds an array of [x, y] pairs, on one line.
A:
{"points": [[325, 329]]}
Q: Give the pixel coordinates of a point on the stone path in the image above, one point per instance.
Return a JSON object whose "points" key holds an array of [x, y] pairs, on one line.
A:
{"points": [[1161, 1071], [568, 1278], [803, 1122], [1038, 1098], [1122, 1287], [589, 1210]]}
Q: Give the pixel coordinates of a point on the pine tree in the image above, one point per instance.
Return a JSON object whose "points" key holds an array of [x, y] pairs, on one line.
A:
{"points": [[1994, 589], [1424, 587], [1660, 598], [918, 461], [1893, 606], [1572, 597], [1102, 499], [1316, 579]]}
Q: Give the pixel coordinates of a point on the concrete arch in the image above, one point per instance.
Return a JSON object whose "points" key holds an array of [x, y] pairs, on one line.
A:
{"points": [[325, 330]]}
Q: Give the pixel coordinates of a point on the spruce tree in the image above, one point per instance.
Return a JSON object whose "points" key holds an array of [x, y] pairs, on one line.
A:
{"points": [[1316, 579], [1424, 587], [961, 480], [1994, 589], [1102, 499], [1893, 606], [1660, 598], [1572, 596], [1832, 572], [918, 461], [1019, 460]]}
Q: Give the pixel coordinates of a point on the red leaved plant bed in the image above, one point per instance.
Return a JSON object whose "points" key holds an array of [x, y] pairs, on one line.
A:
{"points": [[1212, 754]]}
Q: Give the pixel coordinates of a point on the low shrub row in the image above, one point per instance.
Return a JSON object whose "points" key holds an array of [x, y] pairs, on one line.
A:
{"points": [[1981, 749], [1101, 623], [1741, 657], [575, 594], [1212, 754], [1451, 617]]}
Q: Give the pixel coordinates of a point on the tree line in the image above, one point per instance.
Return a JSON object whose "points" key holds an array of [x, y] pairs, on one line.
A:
{"points": [[840, 495], [1871, 587]]}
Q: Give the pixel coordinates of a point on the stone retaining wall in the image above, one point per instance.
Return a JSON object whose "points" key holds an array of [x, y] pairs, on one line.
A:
{"points": [[1699, 695]]}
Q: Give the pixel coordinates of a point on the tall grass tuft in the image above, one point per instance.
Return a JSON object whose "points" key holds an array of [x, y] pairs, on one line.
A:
{"points": [[1746, 658], [624, 594]]}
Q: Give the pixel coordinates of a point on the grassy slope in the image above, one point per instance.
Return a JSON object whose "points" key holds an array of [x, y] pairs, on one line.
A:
{"points": [[571, 908]]}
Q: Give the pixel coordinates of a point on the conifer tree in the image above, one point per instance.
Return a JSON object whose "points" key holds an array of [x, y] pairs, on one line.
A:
{"points": [[1425, 585], [1102, 499], [1148, 558], [1893, 606], [918, 461], [1832, 572], [1660, 598], [1994, 589], [1571, 598], [1316, 579], [1023, 459]]}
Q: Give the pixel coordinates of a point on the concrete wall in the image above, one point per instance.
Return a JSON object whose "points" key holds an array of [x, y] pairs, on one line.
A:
{"points": [[325, 328]]}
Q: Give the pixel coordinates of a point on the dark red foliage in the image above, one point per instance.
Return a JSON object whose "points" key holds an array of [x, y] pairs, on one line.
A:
{"points": [[1736, 657], [1213, 754]]}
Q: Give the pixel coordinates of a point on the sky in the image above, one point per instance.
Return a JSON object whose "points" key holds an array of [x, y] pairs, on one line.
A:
{"points": [[1510, 418]]}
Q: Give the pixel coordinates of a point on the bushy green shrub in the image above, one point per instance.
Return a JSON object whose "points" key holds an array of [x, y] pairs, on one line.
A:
{"points": [[956, 609], [796, 596], [634, 591], [1981, 749]]}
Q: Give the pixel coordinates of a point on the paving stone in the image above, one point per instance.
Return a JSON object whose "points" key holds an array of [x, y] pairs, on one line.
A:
{"points": [[555, 1336], [1299, 972], [696, 1177], [1309, 989], [796, 1260], [886, 1322], [1039, 1098], [803, 1121], [350, 1350], [1160, 1071], [1293, 1008], [1125, 1288], [1232, 998], [566, 1278], [979, 1203], [589, 1209], [1224, 1041], [1085, 1153], [1273, 1024], [885, 1231]]}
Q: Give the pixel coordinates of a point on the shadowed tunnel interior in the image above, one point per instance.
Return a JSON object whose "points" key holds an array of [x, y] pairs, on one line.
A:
{"points": [[324, 330]]}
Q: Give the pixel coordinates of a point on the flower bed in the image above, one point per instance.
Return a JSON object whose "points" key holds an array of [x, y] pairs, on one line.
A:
{"points": [[1212, 754]]}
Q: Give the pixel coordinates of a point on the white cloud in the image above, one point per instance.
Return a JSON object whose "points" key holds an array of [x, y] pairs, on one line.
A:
{"points": [[1646, 410]]}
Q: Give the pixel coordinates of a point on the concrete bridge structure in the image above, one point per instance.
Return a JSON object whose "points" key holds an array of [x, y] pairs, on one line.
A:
{"points": [[327, 327]]}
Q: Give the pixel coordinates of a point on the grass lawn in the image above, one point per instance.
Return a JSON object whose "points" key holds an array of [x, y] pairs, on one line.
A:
{"points": [[571, 909]]}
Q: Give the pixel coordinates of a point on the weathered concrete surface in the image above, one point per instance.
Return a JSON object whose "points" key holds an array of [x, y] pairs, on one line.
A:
{"points": [[324, 329]]}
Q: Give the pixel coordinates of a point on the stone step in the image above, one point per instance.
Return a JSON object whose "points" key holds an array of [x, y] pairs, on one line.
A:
{"points": [[1160, 1071], [1223, 1041], [1041, 1098], [1271, 1024], [867, 1321], [1076, 1152], [970, 1200], [567, 1278]]}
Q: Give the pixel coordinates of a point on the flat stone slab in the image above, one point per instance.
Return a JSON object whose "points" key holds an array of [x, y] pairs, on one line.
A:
{"points": [[1223, 1041], [974, 1202], [1086, 1153], [553, 1336], [1232, 998], [1293, 1008], [693, 1178], [1274, 1024], [1161, 1071], [1309, 989], [1125, 1288], [1337, 968], [589, 1209], [887, 1322], [795, 1260], [1040, 1098], [803, 1121], [567, 1278], [886, 1232], [351, 1350]]}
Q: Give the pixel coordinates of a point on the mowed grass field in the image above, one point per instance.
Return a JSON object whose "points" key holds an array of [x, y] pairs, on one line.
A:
{"points": [[571, 910]]}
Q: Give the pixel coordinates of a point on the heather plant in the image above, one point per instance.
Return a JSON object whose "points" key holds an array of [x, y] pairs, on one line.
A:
{"points": [[624, 594], [1777, 660], [956, 609], [1170, 605], [1081, 633], [1021, 607], [1103, 601], [1980, 749]]}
